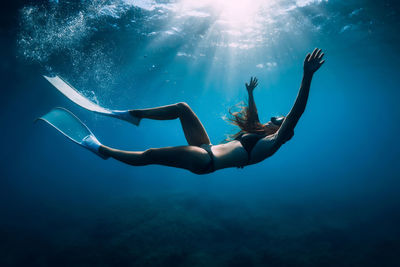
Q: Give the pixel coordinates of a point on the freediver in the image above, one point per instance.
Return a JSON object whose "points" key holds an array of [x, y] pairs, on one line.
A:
{"points": [[252, 144]]}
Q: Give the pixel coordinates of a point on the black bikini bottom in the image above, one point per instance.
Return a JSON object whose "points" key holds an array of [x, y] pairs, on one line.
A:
{"points": [[210, 167]]}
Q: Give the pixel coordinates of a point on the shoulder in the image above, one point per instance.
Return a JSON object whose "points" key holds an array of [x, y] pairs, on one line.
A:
{"points": [[284, 137]]}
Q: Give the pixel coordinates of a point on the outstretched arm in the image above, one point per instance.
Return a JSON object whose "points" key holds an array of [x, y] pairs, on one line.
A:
{"points": [[312, 63], [253, 114]]}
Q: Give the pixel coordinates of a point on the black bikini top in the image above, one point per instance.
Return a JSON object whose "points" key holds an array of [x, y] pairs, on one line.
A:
{"points": [[249, 140]]}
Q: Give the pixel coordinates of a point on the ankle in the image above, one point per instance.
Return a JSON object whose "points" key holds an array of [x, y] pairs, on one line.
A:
{"points": [[136, 113], [103, 150]]}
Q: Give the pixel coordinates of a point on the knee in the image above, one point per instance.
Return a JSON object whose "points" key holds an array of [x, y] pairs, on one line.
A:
{"points": [[148, 155], [183, 107]]}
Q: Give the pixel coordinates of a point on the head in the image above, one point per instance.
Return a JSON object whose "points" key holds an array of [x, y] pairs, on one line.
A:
{"points": [[246, 125], [273, 125]]}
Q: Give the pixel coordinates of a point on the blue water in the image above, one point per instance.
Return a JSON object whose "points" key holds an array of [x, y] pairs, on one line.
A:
{"points": [[329, 197]]}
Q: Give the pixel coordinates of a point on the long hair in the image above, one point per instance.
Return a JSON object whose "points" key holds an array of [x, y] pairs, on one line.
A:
{"points": [[246, 123]]}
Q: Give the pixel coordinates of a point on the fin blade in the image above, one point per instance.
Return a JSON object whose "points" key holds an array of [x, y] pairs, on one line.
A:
{"points": [[75, 96], [72, 128], [67, 123]]}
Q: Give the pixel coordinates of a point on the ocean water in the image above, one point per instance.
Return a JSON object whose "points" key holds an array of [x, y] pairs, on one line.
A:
{"points": [[328, 197]]}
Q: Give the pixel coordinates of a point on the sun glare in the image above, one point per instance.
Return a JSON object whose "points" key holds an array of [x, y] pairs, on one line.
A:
{"points": [[232, 13]]}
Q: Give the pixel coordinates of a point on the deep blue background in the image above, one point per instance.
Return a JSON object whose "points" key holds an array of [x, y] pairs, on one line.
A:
{"points": [[329, 197]]}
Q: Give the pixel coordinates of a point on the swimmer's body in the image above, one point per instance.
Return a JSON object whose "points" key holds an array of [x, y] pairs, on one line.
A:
{"points": [[200, 156], [253, 143]]}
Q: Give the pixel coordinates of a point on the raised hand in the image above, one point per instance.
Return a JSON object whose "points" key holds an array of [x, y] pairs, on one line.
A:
{"points": [[313, 61], [253, 84]]}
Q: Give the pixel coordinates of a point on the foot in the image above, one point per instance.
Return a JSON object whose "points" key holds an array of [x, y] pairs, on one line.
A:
{"points": [[127, 115], [91, 143]]}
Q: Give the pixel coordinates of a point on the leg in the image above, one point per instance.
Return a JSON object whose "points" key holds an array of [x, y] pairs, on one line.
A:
{"points": [[194, 130], [192, 158]]}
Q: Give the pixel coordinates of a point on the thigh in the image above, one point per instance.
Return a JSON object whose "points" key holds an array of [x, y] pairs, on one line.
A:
{"points": [[194, 130], [192, 158]]}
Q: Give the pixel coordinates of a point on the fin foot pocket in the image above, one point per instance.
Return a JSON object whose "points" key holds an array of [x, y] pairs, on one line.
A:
{"points": [[126, 116], [91, 143]]}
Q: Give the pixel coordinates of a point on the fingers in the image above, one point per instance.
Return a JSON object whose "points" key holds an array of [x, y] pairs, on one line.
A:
{"points": [[253, 82], [322, 62], [307, 57], [317, 55], [314, 53]]}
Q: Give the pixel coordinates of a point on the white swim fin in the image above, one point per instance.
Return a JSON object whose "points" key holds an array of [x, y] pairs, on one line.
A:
{"points": [[75, 96], [91, 143], [73, 128]]}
